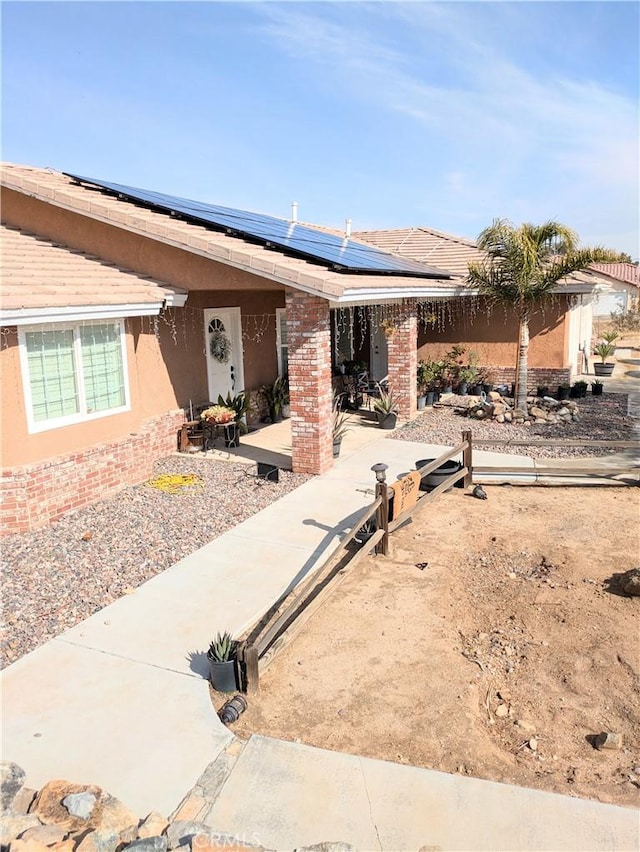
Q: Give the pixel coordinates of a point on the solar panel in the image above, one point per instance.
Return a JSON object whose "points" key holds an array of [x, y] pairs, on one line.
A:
{"points": [[340, 254]]}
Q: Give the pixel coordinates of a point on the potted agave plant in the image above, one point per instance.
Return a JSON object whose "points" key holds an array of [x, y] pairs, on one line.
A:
{"points": [[340, 427], [222, 662], [386, 409]]}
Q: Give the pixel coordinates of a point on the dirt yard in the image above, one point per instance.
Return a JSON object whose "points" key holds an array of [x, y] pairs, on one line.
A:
{"points": [[492, 643]]}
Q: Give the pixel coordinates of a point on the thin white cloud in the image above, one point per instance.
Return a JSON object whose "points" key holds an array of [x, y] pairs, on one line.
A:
{"points": [[503, 122]]}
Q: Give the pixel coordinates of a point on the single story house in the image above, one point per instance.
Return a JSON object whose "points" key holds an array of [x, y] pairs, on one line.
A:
{"points": [[618, 290], [113, 297]]}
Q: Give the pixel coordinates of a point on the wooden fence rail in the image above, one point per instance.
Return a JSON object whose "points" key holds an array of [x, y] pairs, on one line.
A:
{"points": [[281, 623]]}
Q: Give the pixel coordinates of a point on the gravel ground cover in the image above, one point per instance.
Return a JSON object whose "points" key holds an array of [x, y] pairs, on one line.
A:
{"points": [[601, 418], [55, 577]]}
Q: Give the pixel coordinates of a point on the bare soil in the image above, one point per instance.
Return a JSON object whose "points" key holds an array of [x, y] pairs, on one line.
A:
{"points": [[494, 642]]}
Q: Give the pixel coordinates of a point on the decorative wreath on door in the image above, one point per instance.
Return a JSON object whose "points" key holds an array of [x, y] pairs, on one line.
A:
{"points": [[220, 346]]}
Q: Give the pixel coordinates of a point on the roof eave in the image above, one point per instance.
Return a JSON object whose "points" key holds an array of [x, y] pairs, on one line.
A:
{"points": [[76, 313]]}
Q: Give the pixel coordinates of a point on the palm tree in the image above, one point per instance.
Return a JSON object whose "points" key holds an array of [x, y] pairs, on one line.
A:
{"points": [[522, 270]]}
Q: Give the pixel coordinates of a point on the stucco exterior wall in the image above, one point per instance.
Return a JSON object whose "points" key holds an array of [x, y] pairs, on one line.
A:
{"points": [[166, 354], [493, 334]]}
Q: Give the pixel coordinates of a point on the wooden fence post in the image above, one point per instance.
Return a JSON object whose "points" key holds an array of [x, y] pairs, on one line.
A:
{"points": [[467, 458], [382, 491]]}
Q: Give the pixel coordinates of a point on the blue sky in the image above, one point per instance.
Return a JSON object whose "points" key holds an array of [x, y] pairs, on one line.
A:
{"points": [[392, 114]]}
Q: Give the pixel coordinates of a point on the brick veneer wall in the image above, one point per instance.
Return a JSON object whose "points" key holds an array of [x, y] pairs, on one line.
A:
{"points": [[536, 376], [310, 388], [403, 362], [32, 496]]}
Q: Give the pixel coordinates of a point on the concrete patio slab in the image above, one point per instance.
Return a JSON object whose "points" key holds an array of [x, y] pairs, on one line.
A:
{"points": [[286, 795], [139, 731]]}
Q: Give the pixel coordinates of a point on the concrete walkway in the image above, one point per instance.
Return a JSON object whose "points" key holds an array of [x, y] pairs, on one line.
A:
{"points": [[120, 700]]}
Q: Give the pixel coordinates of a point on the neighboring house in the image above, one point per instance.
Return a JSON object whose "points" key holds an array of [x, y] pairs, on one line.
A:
{"points": [[112, 296], [618, 290], [560, 334]]}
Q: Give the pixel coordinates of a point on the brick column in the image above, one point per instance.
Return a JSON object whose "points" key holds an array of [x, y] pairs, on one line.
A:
{"points": [[310, 389], [402, 345]]}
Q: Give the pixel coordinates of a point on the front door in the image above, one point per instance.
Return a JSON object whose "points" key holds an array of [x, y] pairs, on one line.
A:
{"points": [[379, 355], [223, 341]]}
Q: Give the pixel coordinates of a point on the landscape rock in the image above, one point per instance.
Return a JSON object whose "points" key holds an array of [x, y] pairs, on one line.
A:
{"points": [[80, 804], [45, 834], [608, 740], [49, 809], [13, 825], [541, 411], [27, 845], [23, 800], [99, 841], [151, 843], [11, 781], [630, 582], [153, 824], [182, 831]]}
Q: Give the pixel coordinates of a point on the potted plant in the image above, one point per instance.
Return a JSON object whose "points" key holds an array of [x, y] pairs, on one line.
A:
{"points": [[385, 407], [275, 397], [610, 337], [222, 662], [422, 383], [366, 531], [542, 390], [578, 390], [466, 376], [240, 403], [339, 426], [563, 391], [597, 388], [604, 350]]}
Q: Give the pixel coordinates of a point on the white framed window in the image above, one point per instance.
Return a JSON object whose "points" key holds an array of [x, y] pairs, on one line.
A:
{"points": [[281, 342], [73, 372]]}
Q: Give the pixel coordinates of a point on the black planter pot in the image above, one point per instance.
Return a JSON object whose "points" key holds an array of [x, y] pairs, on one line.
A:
{"points": [[487, 387], [596, 390], [275, 414], [542, 391], [433, 479], [363, 536], [431, 397], [223, 676], [476, 390], [463, 388], [603, 369], [563, 393], [336, 448], [422, 402], [387, 421]]}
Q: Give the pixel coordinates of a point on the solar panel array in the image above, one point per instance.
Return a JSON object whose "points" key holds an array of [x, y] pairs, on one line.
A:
{"points": [[340, 254]]}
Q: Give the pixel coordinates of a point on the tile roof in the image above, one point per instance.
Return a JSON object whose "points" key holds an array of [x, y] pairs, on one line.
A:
{"points": [[455, 253], [426, 245], [58, 189], [629, 273], [37, 274]]}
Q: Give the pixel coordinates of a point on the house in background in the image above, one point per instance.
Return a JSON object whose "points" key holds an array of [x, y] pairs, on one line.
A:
{"points": [[618, 290], [112, 297]]}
